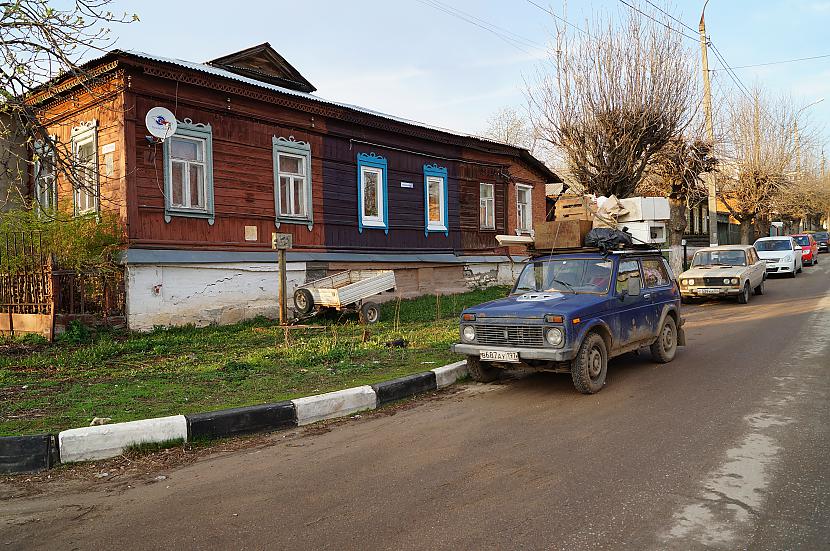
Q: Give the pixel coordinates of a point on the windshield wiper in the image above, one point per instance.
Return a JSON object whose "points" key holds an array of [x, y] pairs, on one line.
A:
{"points": [[565, 283]]}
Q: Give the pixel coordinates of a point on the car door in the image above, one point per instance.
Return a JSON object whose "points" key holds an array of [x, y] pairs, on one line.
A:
{"points": [[659, 286], [755, 266], [633, 318]]}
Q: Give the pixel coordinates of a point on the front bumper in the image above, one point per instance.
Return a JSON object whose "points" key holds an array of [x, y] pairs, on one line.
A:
{"points": [[779, 267], [548, 354], [711, 292]]}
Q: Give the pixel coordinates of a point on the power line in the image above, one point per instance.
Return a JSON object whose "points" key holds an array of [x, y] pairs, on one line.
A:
{"points": [[489, 27], [560, 18], [638, 10], [667, 14], [781, 62], [487, 23]]}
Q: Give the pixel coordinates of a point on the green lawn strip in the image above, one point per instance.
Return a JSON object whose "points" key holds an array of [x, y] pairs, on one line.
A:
{"points": [[128, 376]]}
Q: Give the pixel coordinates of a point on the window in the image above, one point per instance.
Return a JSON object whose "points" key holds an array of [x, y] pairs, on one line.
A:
{"points": [[45, 189], [85, 173], [628, 270], [654, 272], [486, 206], [696, 220], [371, 192], [435, 199], [188, 172], [292, 181], [524, 220]]}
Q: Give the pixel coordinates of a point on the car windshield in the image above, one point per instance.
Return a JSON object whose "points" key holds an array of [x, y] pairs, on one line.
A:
{"points": [[773, 245], [802, 240], [580, 275], [719, 258], [821, 236]]}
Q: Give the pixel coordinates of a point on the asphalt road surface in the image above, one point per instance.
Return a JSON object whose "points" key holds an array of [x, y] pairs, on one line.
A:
{"points": [[725, 448]]}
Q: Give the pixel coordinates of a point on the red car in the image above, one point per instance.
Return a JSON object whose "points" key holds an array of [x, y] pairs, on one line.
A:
{"points": [[809, 248]]}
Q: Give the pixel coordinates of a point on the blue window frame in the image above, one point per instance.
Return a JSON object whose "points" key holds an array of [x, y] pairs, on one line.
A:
{"points": [[436, 199], [372, 196], [292, 181], [188, 172]]}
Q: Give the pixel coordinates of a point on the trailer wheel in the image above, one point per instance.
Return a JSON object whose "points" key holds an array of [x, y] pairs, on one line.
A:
{"points": [[369, 313], [303, 301]]}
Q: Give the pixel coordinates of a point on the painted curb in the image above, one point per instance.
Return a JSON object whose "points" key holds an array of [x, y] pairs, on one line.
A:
{"points": [[105, 441], [25, 454], [448, 374], [334, 404], [243, 420], [404, 387]]}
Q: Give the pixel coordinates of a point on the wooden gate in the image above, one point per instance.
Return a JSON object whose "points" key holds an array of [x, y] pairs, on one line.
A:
{"points": [[26, 303]]}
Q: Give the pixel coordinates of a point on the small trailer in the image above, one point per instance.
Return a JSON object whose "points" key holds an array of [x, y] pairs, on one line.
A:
{"points": [[345, 291]]}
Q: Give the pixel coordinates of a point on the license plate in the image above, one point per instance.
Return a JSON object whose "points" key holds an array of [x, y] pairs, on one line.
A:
{"points": [[709, 291], [499, 356]]}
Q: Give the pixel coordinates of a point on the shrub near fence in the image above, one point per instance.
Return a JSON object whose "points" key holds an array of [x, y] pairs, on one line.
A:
{"points": [[36, 295]]}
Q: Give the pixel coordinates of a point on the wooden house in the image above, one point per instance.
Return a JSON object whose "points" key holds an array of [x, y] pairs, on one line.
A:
{"points": [[257, 152]]}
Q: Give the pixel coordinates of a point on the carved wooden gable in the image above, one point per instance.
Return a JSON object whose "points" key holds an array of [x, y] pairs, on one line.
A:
{"points": [[263, 63]]}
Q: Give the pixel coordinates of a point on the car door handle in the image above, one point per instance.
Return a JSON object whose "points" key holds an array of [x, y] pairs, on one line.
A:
{"points": [[647, 295]]}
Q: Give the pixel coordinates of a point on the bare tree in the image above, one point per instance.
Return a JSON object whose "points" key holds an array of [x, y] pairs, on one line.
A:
{"points": [[41, 40], [756, 172], [508, 125], [611, 100], [675, 172]]}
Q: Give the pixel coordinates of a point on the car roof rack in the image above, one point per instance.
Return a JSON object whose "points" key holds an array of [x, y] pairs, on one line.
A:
{"points": [[536, 253]]}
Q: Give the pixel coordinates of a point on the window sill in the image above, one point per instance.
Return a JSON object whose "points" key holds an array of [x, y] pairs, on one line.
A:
{"points": [[187, 213], [282, 219], [373, 224]]}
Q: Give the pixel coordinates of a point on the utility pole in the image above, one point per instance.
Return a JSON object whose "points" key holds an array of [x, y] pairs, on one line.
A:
{"points": [[710, 132]]}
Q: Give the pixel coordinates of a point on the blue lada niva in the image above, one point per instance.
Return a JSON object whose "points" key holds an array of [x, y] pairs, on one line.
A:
{"points": [[571, 312]]}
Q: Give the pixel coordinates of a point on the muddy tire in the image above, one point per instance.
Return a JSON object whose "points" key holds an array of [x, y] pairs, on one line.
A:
{"points": [[369, 313], [759, 290], [743, 298], [664, 348], [303, 301], [481, 372], [589, 368]]}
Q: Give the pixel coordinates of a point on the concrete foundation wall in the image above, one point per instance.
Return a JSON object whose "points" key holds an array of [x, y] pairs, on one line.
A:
{"points": [[203, 294]]}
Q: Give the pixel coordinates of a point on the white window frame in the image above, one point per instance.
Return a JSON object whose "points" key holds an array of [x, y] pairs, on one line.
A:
{"points": [[290, 147], [366, 220], [198, 132], [529, 189], [187, 199], [46, 193], [441, 223], [483, 203], [84, 134]]}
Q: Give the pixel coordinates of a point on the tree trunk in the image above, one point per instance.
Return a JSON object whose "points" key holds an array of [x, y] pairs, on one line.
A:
{"points": [[678, 222], [746, 227]]}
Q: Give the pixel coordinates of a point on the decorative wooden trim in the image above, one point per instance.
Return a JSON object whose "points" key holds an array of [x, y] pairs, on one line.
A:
{"points": [[80, 134], [435, 171], [200, 131], [292, 146], [372, 160]]}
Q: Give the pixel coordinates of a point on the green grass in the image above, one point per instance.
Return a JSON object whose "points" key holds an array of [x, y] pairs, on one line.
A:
{"points": [[128, 376]]}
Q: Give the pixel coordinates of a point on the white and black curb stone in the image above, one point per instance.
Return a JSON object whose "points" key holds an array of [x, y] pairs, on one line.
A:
{"points": [[449, 374], [334, 404], [105, 441], [27, 453]]}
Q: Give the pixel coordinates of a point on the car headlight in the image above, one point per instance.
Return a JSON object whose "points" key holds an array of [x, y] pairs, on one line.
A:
{"points": [[788, 258], [690, 281], [554, 336], [726, 281], [468, 333], [735, 281]]}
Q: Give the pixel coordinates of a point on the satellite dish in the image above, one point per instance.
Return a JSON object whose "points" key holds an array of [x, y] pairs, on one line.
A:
{"points": [[160, 122]]}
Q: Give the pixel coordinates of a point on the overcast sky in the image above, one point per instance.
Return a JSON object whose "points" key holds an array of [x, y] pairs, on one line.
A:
{"points": [[412, 59]]}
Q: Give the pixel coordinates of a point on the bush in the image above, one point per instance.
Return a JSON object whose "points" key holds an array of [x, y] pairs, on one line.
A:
{"points": [[76, 333]]}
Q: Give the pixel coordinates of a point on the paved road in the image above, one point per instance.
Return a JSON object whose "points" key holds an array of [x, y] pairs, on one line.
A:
{"points": [[725, 448]]}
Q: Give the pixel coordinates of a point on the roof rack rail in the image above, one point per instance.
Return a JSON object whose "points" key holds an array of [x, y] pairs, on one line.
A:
{"points": [[573, 250]]}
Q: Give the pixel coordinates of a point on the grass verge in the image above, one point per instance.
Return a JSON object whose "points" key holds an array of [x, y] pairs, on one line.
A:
{"points": [[128, 376]]}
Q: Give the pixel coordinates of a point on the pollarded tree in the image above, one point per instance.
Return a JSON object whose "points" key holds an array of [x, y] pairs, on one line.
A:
{"points": [[613, 99]]}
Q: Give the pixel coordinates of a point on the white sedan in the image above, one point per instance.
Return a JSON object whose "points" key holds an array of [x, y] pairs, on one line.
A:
{"points": [[782, 255]]}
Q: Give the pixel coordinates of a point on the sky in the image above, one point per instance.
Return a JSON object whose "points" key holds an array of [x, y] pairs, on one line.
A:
{"points": [[412, 59]]}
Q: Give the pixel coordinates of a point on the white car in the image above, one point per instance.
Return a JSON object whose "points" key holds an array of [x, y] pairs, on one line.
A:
{"points": [[782, 255]]}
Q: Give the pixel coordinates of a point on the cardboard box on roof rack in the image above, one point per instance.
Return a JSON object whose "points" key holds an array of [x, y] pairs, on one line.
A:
{"points": [[575, 207], [562, 234]]}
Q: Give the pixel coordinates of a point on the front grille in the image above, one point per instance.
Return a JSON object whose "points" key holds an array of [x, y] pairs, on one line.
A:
{"points": [[713, 281], [501, 335]]}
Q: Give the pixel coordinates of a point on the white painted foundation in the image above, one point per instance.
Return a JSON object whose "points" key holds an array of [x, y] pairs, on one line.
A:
{"points": [[204, 293]]}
